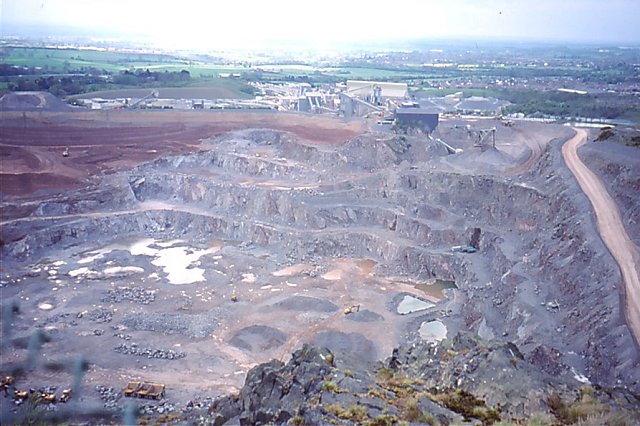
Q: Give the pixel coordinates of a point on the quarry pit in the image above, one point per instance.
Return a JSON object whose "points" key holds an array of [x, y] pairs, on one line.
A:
{"points": [[185, 248]]}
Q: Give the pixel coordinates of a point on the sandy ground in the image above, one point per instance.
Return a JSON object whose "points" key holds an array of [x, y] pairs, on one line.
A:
{"points": [[610, 226]]}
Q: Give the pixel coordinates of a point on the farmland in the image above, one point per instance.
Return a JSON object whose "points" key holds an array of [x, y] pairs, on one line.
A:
{"points": [[224, 90], [64, 60], [528, 76]]}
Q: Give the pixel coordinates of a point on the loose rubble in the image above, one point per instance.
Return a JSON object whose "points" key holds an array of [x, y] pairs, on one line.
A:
{"points": [[138, 295], [133, 349], [100, 315], [109, 396]]}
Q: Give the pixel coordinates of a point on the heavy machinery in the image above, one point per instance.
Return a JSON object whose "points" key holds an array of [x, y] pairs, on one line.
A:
{"points": [[154, 94], [66, 395], [482, 138], [131, 388], [47, 397], [352, 309], [5, 383], [20, 395], [144, 390]]}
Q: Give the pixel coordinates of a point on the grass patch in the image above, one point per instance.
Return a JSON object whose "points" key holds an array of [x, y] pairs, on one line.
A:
{"points": [[470, 407], [296, 421], [375, 392], [412, 413], [355, 413], [382, 420], [331, 386], [401, 386], [583, 408]]}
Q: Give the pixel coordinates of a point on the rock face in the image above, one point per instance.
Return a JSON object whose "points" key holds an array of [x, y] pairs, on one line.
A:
{"points": [[275, 392], [460, 379]]}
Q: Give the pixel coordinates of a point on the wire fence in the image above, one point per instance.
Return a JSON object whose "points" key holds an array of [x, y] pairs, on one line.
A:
{"points": [[30, 407]]}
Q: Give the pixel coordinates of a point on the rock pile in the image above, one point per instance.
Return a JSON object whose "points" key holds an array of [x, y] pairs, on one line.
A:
{"points": [[133, 349], [161, 407], [109, 396], [192, 325], [138, 295], [100, 315]]}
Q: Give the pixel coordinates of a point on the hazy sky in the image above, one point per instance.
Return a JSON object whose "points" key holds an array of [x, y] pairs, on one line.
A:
{"points": [[225, 23]]}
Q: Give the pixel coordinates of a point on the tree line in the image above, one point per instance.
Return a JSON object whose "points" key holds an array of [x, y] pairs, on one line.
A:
{"points": [[81, 81]]}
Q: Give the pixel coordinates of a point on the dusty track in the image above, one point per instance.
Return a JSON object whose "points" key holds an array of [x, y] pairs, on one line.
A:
{"points": [[610, 226], [535, 148]]}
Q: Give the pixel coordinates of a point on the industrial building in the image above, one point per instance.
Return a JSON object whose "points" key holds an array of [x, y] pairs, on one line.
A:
{"points": [[363, 97], [377, 91], [420, 119]]}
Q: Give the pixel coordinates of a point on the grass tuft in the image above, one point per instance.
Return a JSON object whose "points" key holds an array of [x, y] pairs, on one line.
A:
{"points": [[355, 413], [470, 407]]}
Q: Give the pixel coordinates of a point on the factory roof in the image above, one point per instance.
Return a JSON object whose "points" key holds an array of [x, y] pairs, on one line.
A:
{"points": [[389, 90], [416, 111]]}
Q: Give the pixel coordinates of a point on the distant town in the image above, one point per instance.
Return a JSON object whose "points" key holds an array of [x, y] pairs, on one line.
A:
{"points": [[540, 81]]}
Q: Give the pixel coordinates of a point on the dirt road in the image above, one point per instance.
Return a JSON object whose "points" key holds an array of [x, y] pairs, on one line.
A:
{"points": [[615, 237]]}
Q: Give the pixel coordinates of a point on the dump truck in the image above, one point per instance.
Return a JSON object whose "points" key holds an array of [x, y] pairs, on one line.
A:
{"points": [[131, 388], [352, 309], [144, 390], [47, 397], [20, 394], [66, 395], [5, 383]]}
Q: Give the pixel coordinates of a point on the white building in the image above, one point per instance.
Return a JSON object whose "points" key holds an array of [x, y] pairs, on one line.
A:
{"points": [[366, 89]]}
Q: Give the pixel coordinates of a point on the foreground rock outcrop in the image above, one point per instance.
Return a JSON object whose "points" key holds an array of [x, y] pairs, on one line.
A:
{"points": [[463, 380]]}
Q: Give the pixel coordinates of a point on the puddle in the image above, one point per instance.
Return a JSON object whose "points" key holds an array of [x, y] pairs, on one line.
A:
{"points": [[127, 244], [248, 278], [122, 270], [293, 270], [170, 243], [433, 331], [333, 275], [45, 306], [80, 271], [435, 288], [176, 261], [410, 304]]}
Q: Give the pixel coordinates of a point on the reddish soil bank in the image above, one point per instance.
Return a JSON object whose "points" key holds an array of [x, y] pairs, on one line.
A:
{"points": [[32, 143]]}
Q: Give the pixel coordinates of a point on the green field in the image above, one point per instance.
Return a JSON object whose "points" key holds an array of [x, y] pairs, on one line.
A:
{"points": [[51, 60], [222, 89], [62, 60]]}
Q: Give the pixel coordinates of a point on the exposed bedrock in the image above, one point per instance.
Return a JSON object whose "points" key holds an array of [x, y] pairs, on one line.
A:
{"points": [[541, 277]]}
